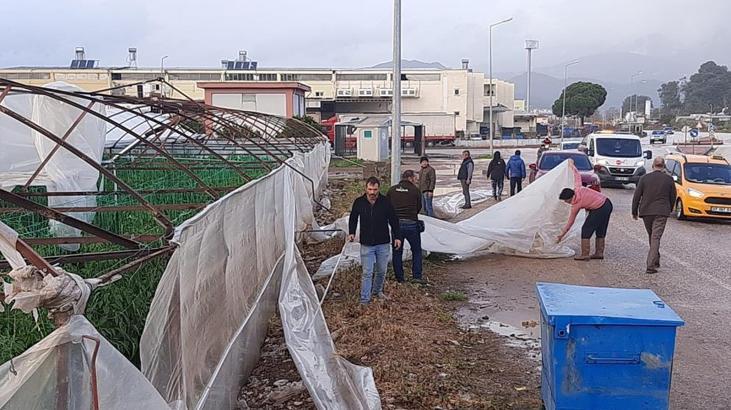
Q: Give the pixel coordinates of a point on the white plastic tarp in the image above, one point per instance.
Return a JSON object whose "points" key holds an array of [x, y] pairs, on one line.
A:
{"points": [[449, 205], [210, 312], [24, 149], [75, 364], [526, 224]]}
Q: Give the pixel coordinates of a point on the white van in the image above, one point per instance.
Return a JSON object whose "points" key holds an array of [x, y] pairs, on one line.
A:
{"points": [[617, 158]]}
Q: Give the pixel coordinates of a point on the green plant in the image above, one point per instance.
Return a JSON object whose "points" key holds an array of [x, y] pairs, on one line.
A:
{"points": [[453, 296], [119, 311]]}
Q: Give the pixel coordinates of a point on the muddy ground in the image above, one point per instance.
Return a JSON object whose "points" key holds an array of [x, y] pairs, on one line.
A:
{"points": [[429, 347]]}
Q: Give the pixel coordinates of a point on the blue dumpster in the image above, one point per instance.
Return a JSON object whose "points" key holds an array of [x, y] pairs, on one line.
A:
{"points": [[605, 348]]}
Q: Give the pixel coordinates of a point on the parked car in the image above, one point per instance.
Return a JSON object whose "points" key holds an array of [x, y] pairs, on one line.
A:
{"points": [[570, 144], [703, 184], [551, 159], [668, 130], [658, 136]]}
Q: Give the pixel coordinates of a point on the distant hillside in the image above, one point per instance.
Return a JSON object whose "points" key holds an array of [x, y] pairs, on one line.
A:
{"points": [[546, 89], [413, 64]]}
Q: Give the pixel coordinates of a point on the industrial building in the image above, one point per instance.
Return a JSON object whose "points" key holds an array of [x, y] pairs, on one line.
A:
{"points": [[450, 103]]}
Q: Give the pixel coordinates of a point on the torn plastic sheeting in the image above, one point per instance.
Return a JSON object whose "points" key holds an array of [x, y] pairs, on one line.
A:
{"points": [[196, 347], [526, 224], [523, 225], [31, 289], [24, 149], [31, 380], [448, 206], [8, 240]]}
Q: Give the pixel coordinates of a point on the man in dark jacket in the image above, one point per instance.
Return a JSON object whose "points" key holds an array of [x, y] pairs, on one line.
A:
{"points": [[375, 213], [516, 173], [406, 200], [465, 177], [496, 173], [653, 201], [427, 183]]}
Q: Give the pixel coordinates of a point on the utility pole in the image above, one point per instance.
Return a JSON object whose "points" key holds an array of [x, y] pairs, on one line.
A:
{"points": [[492, 87], [530, 45], [396, 99]]}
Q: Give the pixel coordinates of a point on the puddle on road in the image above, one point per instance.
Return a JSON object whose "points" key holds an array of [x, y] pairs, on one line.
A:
{"points": [[520, 329]]}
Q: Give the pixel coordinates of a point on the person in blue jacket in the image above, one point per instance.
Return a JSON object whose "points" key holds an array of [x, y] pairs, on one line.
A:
{"points": [[516, 173]]}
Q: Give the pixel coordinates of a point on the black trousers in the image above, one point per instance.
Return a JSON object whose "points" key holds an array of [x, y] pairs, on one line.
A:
{"points": [[597, 221], [516, 185]]}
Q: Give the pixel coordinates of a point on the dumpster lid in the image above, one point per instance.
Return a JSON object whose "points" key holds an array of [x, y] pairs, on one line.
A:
{"points": [[592, 305]]}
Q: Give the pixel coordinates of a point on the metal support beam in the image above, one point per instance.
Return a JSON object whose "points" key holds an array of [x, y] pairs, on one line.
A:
{"points": [[49, 213]]}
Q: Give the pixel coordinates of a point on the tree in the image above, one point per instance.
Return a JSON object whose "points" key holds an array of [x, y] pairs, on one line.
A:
{"points": [[669, 94], [582, 100], [635, 103], [708, 90]]}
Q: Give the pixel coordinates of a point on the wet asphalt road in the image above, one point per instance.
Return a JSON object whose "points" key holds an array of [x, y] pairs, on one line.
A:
{"points": [[695, 280]]}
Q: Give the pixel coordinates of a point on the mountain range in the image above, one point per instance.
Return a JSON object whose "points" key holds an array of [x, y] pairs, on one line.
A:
{"points": [[615, 71]]}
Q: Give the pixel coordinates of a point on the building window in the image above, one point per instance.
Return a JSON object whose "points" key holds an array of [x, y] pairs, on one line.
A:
{"points": [[239, 77], [456, 91], [319, 93], [139, 76], [27, 76], [423, 77], [306, 77], [267, 77], [195, 76], [456, 113], [489, 90], [362, 77]]}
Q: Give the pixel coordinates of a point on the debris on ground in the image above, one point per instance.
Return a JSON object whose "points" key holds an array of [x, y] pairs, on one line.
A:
{"points": [[420, 356]]}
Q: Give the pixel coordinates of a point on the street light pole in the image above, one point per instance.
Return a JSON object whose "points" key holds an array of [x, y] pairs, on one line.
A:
{"points": [[632, 110], [530, 45], [565, 81], [492, 87], [396, 99], [162, 64]]}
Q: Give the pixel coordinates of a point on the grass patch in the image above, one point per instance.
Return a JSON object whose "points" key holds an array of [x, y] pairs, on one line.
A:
{"points": [[484, 156], [453, 296], [347, 163]]}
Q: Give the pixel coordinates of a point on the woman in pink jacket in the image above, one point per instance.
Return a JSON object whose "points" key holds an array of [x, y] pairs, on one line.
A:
{"points": [[599, 209]]}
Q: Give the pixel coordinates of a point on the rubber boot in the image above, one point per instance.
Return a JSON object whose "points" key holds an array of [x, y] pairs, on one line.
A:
{"points": [[585, 248], [599, 253]]}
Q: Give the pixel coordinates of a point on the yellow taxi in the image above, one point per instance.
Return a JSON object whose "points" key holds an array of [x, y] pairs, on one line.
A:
{"points": [[703, 184]]}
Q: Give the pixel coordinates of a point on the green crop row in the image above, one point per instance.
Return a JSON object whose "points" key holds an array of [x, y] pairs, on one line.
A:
{"points": [[118, 311]]}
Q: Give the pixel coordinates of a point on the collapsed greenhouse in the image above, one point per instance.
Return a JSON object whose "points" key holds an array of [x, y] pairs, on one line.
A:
{"points": [[159, 236]]}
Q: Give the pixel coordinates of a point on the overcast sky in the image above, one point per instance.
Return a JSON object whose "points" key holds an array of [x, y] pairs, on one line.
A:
{"points": [[357, 33]]}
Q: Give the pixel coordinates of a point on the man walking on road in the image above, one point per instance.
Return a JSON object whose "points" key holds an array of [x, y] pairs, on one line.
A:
{"points": [[465, 178], [406, 200], [516, 172], [496, 173], [375, 213], [427, 183], [653, 201]]}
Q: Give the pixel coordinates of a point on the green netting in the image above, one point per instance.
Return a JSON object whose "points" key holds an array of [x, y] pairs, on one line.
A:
{"points": [[119, 311]]}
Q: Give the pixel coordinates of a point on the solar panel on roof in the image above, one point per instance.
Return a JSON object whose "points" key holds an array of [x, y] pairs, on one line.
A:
{"points": [[90, 63], [253, 65], [246, 65], [75, 63], [239, 65]]}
